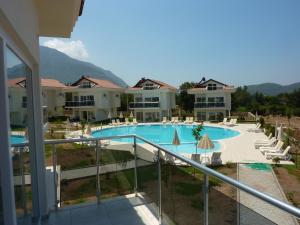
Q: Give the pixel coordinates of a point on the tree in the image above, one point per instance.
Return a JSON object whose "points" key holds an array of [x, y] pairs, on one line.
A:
{"points": [[196, 132], [184, 100]]}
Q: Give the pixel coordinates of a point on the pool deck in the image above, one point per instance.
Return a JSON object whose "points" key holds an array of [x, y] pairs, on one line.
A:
{"points": [[238, 149]]}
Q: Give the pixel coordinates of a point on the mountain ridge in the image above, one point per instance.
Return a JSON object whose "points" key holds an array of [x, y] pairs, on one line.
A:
{"points": [[272, 88]]}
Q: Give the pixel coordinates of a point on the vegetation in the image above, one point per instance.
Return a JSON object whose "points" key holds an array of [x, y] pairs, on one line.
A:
{"points": [[196, 132], [183, 99], [284, 104], [243, 101]]}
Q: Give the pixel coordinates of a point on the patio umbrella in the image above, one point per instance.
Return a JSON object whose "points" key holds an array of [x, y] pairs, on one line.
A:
{"points": [[131, 115], [279, 135], [176, 140], [276, 127], [109, 115], [121, 115], [205, 143], [256, 116]]}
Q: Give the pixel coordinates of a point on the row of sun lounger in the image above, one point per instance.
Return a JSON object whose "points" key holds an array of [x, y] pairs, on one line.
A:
{"points": [[188, 120], [116, 122], [230, 123], [272, 150]]}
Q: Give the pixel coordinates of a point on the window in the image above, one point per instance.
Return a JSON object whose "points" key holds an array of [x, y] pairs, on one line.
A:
{"points": [[18, 112], [90, 97], [201, 116], [138, 99], [210, 99], [86, 84], [201, 99], [219, 99], [212, 87], [83, 98], [212, 116], [152, 99], [155, 99]]}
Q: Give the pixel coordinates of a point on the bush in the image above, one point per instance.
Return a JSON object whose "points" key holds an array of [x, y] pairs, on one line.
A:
{"points": [[262, 122], [57, 119]]}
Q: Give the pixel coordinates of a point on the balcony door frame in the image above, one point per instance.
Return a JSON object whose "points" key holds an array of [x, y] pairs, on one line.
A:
{"points": [[9, 39]]}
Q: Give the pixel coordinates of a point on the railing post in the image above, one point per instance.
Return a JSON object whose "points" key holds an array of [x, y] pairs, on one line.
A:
{"points": [[98, 149], [205, 197], [159, 187], [54, 164], [21, 165], [135, 167]]}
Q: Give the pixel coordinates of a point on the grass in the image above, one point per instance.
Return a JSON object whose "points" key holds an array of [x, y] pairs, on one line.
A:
{"points": [[292, 170]]}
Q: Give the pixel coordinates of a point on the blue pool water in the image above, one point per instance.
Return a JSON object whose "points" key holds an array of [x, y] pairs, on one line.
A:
{"points": [[163, 135], [16, 139]]}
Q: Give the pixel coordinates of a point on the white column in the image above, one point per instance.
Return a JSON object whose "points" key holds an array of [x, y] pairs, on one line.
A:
{"points": [[6, 172], [36, 145]]}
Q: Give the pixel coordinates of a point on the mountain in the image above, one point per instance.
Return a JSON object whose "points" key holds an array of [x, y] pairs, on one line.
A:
{"points": [[273, 88], [57, 65]]}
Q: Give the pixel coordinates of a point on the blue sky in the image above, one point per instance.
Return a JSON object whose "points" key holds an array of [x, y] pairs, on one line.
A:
{"points": [[236, 42]]}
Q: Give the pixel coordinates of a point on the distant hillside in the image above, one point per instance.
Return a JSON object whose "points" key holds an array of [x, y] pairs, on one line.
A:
{"points": [[57, 65], [272, 88]]}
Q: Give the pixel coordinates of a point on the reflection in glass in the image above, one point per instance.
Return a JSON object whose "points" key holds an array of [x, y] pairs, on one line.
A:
{"points": [[17, 74]]}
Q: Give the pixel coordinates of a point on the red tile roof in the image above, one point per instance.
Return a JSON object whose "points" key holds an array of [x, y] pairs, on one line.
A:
{"points": [[51, 83], [44, 82], [162, 85], [98, 82]]}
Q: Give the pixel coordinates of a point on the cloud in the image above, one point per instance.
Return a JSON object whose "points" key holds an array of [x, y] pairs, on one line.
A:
{"points": [[74, 49]]}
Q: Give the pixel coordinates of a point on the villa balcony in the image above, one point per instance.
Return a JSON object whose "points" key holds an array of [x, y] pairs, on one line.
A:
{"points": [[135, 105], [209, 105], [79, 103], [132, 190]]}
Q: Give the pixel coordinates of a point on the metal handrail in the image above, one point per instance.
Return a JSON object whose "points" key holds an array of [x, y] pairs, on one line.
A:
{"points": [[206, 170]]}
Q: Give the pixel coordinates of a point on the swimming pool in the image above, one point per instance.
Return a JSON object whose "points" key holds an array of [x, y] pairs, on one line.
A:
{"points": [[163, 135], [16, 139]]}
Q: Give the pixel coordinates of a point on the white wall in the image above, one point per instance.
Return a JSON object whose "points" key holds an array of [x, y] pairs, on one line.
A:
{"points": [[25, 24]]}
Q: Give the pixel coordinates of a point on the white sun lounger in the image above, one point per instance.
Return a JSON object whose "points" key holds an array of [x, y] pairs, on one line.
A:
{"points": [[113, 122], [268, 143], [231, 123], [256, 129], [276, 148], [164, 119], [126, 121], [134, 121], [118, 122], [176, 120], [281, 155], [224, 121], [191, 120], [265, 140]]}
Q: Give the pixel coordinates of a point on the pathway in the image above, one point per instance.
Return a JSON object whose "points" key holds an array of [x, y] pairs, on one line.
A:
{"points": [[255, 211]]}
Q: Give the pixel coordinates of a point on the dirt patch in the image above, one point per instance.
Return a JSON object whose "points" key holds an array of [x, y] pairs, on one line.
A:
{"points": [[289, 180], [290, 184], [294, 121]]}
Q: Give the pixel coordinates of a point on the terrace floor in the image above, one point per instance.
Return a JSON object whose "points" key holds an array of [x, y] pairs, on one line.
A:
{"points": [[125, 210]]}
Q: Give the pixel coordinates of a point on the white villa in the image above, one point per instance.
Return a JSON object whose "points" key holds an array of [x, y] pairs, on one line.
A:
{"points": [[92, 99], [152, 100], [53, 99], [212, 100]]}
